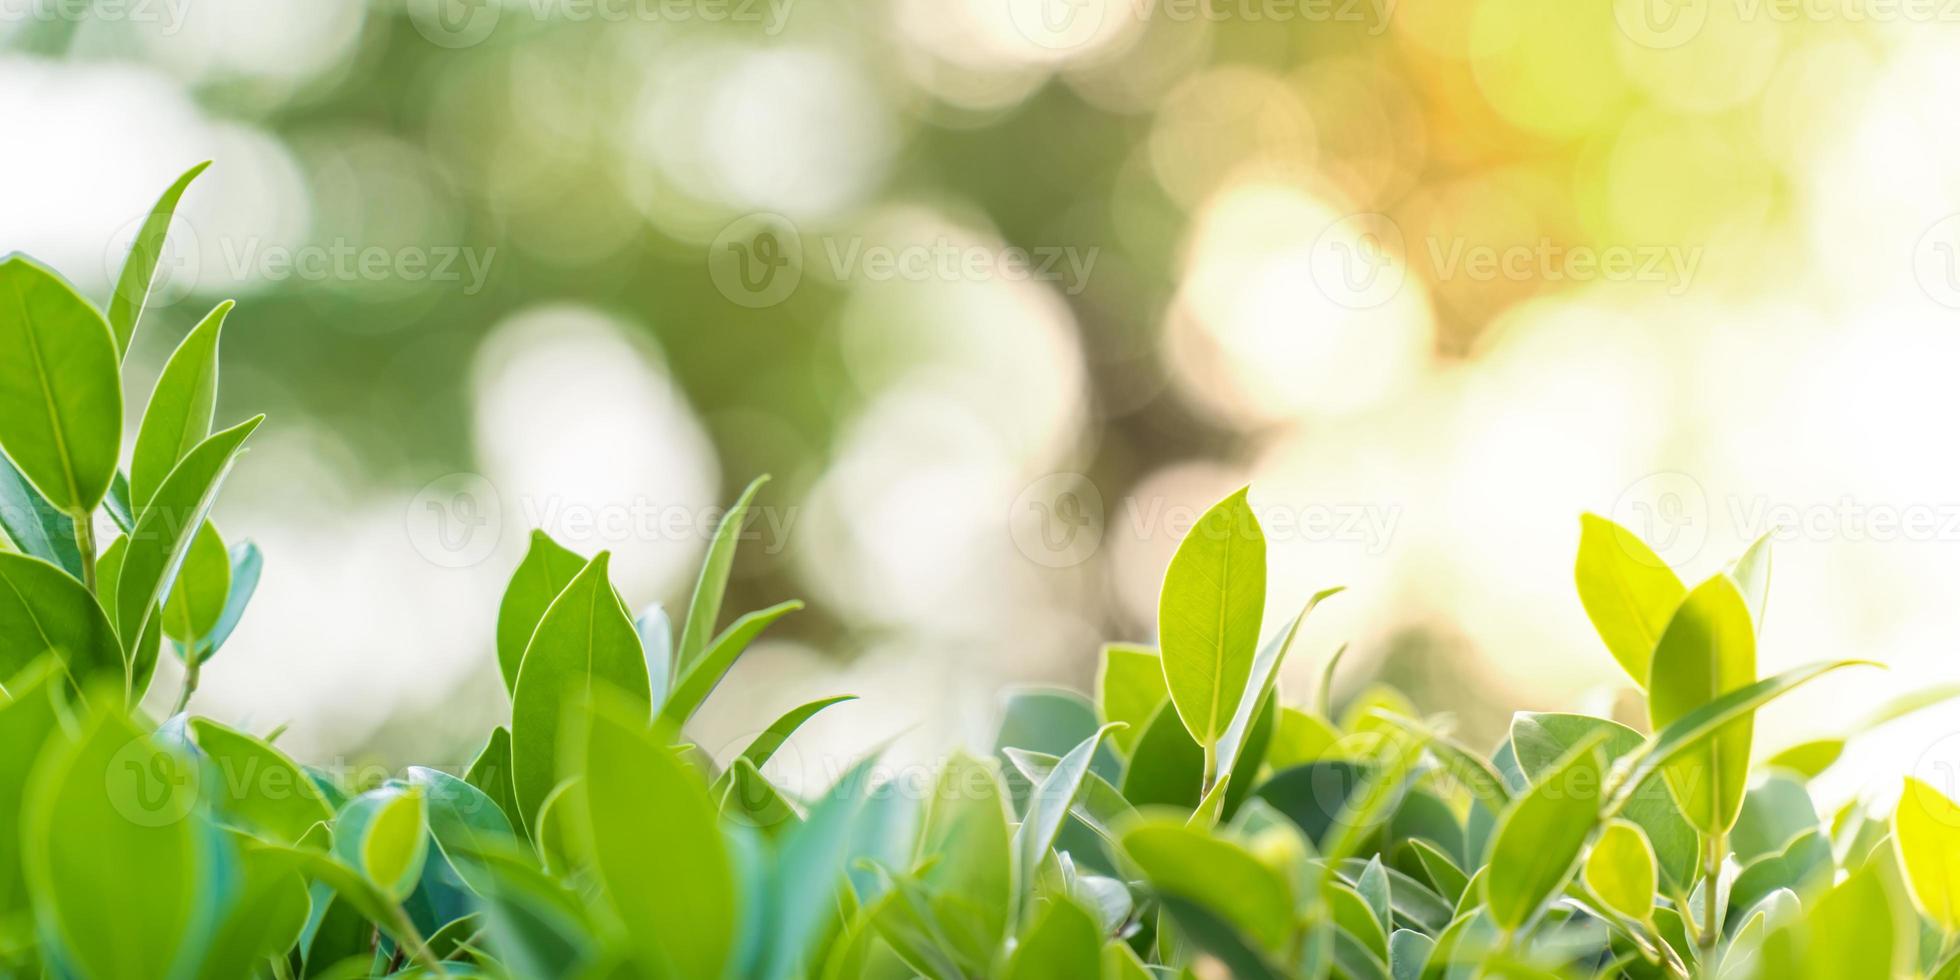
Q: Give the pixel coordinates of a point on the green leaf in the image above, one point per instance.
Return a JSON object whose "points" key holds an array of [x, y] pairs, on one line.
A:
{"points": [[1807, 759], [1408, 951], [1774, 812], [1065, 944], [28, 720], [1926, 835], [246, 565], [746, 796], [164, 529], [1214, 873], [1539, 836], [1441, 870], [1751, 575], [1621, 872], [1212, 807], [655, 842], [1129, 687], [267, 907], [1475, 773], [35, 527], [1855, 932], [657, 642], [179, 413], [139, 270], [707, 671], [1299, 737], [259, 790], [383, 833], [705, 608], [1355, 916], [1541, 739], [1239, 733], [197, 597], [60, 387], [969, 861], [1167, 767], [764, 746], [809, 870], [1708, 650], [583, 641], [141, 662], [466, 823], [1100, 806], [1048, 806], [44, 609], [545, 571], [1208, 616], [490, 773], [113, 863], [1628, 591]]}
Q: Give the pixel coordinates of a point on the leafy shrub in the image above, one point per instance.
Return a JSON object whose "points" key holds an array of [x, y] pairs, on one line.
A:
{"points": [[1184, 821]]}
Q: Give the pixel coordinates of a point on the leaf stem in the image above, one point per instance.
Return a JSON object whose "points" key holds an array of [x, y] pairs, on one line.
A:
{"points": [[1211, 770], [85, 543], [407, 937], [193, 663], [1711, 932]]}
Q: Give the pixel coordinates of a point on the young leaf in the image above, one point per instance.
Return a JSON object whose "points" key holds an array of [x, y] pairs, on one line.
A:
{"points": [[1129, 687], [545, 571], [1167, 766], [705, 608], [465, 823], [1049, 805], [583, 641], [383, 834], [197, 597], [1065, 944], [1628, 591], [1708, 650], [654, 840], [1751, 574], [259, 790], [1208, 616], [179, 414], [60, 387], [1214, 873], [1620, 871], [1299, 737], [35, 527], [1100, 806], [246, 565], [1538, 838], [113, 863], [139, 270], [490, 773], [764, 746], [45, 610], [1540, 739], [1926, 835], [707, 670], [1259, 683], [164, 529], [969, 861]]}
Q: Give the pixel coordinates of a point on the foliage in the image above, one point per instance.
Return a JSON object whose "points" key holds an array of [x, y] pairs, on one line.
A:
{"points": [[1190, 820]]}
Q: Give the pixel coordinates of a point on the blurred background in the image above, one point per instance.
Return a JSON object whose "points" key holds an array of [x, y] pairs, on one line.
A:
{"points": [[1003, 293]]}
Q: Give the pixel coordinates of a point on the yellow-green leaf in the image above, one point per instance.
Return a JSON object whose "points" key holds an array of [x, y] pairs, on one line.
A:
{"points": [[1621, 871], [45, 610], [1926, 834], [1538, 837], [1129, 687], [197, 597], [545, 571], [139, 269], [260, 790], [178, 416], [1215, 873], [1708, 649], [1628, 591], [1208, 616], [1065, 944]]}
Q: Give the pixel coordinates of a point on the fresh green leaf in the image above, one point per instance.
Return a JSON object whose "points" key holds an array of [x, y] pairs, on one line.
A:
{"points": [[1239, 732], [60, 387], [197, 596], [584, 641], [1751, 575], [383, 834], [139, 269], [1048, 806], [1621, 872], [1541, 739], [179, 412], [1214, 873], [258, 789], [1926, 836], [28, 721], [489, 772], [1856, 933], [1208, 616], [1166, 767], [164, 529], [467, 824], [544, 572], [651, 827], [657, 642], [1300, 737], [45, 610], [1628, 591], [1065, 944], [1129, 687], [706, 671], [35, 527], [246, 565], [1708, 650], [1540, 834], [969, 864], [705, 608]]}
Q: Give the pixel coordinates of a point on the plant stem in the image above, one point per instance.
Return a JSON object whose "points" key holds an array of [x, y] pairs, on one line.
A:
{"points": [[1711, 932], [1211, 769], [192, 664], [407, 937], [85, 543]]}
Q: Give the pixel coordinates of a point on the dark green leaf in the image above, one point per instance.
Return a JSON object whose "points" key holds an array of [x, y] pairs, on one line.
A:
{"points": [[44, 609]]}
